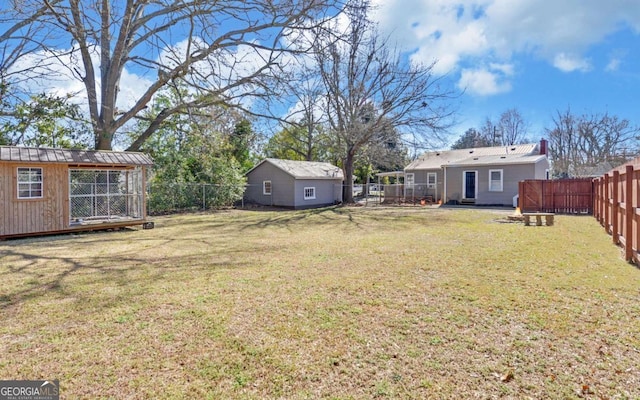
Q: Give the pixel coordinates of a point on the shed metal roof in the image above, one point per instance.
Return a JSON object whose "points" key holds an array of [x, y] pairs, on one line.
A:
{"points": [[305, 169], [68, 156]]}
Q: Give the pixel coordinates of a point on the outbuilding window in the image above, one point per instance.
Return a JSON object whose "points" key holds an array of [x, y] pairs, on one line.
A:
{"points": [[266, 188], [29, 183], [495, 180], [309, 193]]}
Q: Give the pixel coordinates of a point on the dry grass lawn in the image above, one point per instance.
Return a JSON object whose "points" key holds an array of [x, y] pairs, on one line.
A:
{"points": [[338, 303]]}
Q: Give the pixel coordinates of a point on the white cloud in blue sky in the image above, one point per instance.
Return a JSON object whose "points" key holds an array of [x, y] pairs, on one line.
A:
{"points": [[581, 54], [486, 81]]}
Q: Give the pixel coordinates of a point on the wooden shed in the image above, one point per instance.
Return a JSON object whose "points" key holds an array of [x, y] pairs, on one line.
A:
{"points": [[46, 190]]}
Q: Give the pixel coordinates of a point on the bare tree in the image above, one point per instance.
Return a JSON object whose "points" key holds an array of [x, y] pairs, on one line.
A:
{"points": [[22, 32], [226, 52], [304, 134], [491, 133], [369, 88], [512, 127], [578, 144], [470, 139]]}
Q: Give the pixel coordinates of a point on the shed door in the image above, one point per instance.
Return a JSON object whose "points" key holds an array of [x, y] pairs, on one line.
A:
{"points": [[469, 184]]}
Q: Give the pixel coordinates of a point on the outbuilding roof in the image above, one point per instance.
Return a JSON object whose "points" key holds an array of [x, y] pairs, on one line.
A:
{"points": [[305, 169], [69, 156], [475, 156]]}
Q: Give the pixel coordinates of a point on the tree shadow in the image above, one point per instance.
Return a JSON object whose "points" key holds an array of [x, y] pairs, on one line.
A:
{"points": [[31, 276]]}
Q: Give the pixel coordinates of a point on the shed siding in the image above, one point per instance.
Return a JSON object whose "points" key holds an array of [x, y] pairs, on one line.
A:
{"points": [[282, 186], [286, 191], [46, 214], [326, 192]]}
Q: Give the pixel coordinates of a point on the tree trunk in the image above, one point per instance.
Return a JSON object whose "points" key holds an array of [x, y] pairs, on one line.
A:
{"points": [[347, 188], [104, 139]]}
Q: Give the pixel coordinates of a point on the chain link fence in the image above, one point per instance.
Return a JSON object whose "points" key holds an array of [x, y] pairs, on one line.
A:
{"points": [[373, 194], [164, 198]]}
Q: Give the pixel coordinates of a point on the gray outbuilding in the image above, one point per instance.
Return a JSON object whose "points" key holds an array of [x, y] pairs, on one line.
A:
{"points": [[295, 184]]}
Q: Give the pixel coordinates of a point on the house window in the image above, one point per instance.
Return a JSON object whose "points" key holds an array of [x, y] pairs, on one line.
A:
{"points": [[266, 188], [495, 180], [431, 180], [309, 193], [29, 183], [409, 179]]}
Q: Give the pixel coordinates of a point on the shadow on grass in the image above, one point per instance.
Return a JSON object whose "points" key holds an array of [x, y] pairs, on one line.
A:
{"points": [[30, 267], [347, 215], [27, 276]]}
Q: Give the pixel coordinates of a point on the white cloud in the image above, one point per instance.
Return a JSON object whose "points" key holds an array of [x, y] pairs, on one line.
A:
{"points": [[613, 65], [46, 74], [569, 63], [461, 33], [483, 82], [506, 69]]}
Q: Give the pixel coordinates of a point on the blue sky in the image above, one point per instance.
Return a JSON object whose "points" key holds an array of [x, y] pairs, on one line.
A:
{"points": [[539, 57]]}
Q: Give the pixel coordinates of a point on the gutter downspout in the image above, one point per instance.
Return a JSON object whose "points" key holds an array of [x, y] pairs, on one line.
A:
{"points": [[444, 193]]}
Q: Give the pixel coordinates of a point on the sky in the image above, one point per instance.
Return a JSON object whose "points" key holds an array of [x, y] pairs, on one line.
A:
{"points": [[540, 57]]}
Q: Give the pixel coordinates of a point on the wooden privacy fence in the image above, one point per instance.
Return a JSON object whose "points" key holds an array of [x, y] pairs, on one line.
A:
{"points": [[563, 196], [617, 198]]}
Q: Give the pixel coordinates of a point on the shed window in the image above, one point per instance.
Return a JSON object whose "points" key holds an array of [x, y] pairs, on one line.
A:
{"points": [[309, 193], [266, 187], [431, 180], [495, 180], [29, 183]]}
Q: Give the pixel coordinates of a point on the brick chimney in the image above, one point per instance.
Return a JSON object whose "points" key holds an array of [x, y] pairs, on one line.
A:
{"points": [[543, 147]]}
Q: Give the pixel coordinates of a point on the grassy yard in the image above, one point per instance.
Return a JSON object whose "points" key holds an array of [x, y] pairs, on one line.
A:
{"points": [[338, 303]]}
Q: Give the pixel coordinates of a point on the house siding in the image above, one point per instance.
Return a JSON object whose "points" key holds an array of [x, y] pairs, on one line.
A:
{"points": [[420, 188], [541, 170], [511, 175]]}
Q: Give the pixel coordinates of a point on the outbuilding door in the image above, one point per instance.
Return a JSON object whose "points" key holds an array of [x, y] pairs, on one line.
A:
{"points": [[470, 184]]}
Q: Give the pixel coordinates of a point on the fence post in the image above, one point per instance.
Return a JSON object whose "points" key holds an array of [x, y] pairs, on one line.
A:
{"points": [[615, 208], [628, 212], [597, 199], [607, 205], [520, 194]]}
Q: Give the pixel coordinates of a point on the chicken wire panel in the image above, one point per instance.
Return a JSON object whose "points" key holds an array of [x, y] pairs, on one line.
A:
{"points": [[105, 194]]}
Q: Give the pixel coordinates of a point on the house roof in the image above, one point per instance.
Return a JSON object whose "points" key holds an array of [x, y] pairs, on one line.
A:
{"points": [[475, 156], [507, 159], [304, 169], [68, 156]]}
